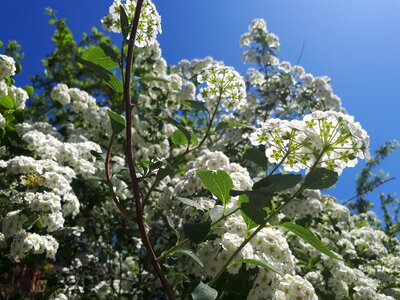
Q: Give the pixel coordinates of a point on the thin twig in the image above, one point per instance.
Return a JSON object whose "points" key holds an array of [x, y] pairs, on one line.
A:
{"points": [[301, 52], [118, 204], [369, 189]]}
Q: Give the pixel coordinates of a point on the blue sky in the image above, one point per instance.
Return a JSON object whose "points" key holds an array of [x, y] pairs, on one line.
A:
{"points": [[356, 43]]}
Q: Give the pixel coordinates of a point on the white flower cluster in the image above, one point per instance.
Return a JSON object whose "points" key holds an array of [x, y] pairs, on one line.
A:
{"points": [[283, 88], [94, 117], [7, 66], [371, 270], [149, 22], [44, 209], [269, 244], [222, 83], [331, 140], [77, 155], [259, 35], [18, 95]]}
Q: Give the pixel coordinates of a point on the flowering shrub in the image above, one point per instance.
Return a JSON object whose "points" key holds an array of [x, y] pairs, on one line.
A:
{"points": [[185, 181]]}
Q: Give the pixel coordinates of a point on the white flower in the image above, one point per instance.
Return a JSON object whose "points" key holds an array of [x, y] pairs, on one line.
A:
{"points": [[222, 83], [7, 66], [149, 23], [60, 94], [330, 139]]}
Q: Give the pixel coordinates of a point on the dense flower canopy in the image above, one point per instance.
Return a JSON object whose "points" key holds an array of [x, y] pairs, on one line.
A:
{"points": [[223, 194]]}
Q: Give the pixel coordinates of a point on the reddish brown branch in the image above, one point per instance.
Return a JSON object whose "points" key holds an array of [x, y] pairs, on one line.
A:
{"points": [[118, 204], [129, 157]]}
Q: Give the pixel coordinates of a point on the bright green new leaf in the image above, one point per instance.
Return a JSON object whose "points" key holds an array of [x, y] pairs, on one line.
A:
{"points": [[7, 102], [29, 89], [179, 138], [97, 56], [118, 122], [108, 78], [180, 127], [218, 183], [309, 237]]}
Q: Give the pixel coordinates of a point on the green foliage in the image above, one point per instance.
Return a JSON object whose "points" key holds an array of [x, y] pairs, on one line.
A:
{"points": [[263, 264], [256, 207], [190, 254], [189, 202], [277, 183], [62, 66], [256, 156], [118, 122], [99, 57], [6, 102], [219, 183], [196, 232], [320, 178], [179, 138], [108, 78], [308, 237], [368, 180], [204, 292]]}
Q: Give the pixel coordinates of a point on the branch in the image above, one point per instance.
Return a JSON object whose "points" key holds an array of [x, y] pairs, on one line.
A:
{"points": [[129, 157], [119, 205], [369, 189]]}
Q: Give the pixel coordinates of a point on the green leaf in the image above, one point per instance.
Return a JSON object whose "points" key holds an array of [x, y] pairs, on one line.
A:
{"points": [[309, 237], [29, 89], [257, 207], [196, 105], [277, 183], [191, 254], [146, 79], [108, 78], [118, 122], [218, 183], [190, 202], [204, 292], [125, 27], [320, 178], [228, 124], [97, 56], [256, 156], [164, 172], [180, 127], [96, 154], [172, 225], [7, 102], [179, 138], [250, 224], [110, 52], [262, 264], [196, 232], [19, 115]]}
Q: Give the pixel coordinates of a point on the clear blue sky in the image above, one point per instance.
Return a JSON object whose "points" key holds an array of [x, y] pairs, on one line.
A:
{"points": [[356, 43]]}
